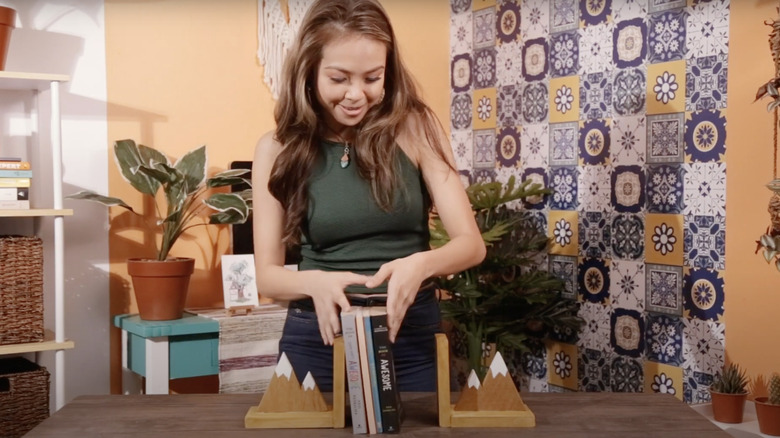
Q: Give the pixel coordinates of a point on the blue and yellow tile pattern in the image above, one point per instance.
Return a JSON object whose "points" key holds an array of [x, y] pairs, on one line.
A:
{"points": [[620, 107]]}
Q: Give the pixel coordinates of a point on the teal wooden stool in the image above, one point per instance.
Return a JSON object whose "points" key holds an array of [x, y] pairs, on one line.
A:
{"points": [[164, 350]]}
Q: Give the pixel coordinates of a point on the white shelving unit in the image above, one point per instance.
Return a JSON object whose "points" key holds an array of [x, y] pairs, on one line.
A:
{"points": [[53, 340]]}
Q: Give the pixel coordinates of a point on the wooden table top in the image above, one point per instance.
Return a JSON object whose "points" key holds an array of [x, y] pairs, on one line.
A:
{"points": [[570, 415]]}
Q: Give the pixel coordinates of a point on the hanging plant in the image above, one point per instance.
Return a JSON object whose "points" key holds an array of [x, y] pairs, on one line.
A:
{"points": [[769, 242]]}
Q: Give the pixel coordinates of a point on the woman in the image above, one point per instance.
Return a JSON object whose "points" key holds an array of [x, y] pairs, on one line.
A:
{"points": [[350, 174]]}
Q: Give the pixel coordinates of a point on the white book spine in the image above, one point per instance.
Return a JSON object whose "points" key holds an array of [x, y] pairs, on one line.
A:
{"points": [[367, 392], [354, 379], [14, 205], [14, 193]]}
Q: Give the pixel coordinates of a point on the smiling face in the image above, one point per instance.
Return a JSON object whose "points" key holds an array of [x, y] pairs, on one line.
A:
{"points": [[350, 80]]}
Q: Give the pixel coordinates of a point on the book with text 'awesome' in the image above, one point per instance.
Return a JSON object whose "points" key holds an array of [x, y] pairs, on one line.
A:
{"points": [[387, 394]]}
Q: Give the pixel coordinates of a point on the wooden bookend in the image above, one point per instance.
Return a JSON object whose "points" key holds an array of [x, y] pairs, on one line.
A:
{"points": [[494, 402], [287, 404], [239, 310]]}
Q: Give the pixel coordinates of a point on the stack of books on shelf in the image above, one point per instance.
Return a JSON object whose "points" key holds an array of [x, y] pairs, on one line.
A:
{"points": [[15, 177], [374, 398]]}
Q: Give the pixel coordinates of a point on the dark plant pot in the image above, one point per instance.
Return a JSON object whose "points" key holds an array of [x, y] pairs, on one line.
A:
{"points": [[160, 286], [768, 417], [7, 24], [728, 408]]}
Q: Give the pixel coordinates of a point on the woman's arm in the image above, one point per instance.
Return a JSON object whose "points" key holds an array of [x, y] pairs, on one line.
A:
{"points": [[465, 248], [326, 289]]}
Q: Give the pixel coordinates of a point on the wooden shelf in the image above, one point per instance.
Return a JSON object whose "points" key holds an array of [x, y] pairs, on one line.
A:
{"points": [[47, 344], [39, 84], [28, 81], [34, 212]]}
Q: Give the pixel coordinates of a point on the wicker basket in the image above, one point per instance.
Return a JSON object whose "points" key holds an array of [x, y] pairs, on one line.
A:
{"points": [[24, 396], [21, 289]]}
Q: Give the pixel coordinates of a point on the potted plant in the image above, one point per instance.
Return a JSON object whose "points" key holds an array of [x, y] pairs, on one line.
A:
{"points": [[728, 393], [161, 284], [768, 409], [7, 24], [504, 300]]}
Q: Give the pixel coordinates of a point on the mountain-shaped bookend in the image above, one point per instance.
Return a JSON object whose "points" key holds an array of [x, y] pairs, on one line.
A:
{"points": [[287, 404], [494, 402]]}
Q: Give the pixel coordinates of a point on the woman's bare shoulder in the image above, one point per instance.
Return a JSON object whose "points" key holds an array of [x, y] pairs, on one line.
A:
{"points": [[267, 146], [421, 137], [410, 138]]}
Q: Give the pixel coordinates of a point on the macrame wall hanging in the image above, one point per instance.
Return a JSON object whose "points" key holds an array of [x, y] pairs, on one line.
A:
{"points": [[769, 242], [278, 24], [774, 202]]}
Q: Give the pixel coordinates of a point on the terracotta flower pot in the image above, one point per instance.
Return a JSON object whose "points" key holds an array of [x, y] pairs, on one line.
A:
{"points": [[160, 286], [7, 24], [728, 408], [768, 417]]}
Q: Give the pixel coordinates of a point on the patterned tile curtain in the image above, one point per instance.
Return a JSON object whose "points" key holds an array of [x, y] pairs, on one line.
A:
{"points": [[620, 107]]}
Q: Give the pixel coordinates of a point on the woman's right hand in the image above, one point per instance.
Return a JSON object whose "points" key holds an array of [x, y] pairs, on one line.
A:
{"points": [[326, 290]]}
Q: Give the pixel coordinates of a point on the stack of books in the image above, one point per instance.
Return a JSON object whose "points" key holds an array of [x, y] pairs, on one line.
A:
{"points": [[375, 402], [15, 177]]}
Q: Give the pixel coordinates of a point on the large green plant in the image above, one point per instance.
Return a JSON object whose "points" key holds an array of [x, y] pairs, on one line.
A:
{"points": [[184, 185], [504, 300]]}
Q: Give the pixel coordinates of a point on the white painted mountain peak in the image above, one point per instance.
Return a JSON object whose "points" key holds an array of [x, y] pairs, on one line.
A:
{"points": [[498, 366], [308, 382], [284, 367], [473, 380]]}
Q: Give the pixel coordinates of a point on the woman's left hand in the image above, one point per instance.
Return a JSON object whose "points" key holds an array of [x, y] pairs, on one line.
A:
{"points": [[403, 277]]}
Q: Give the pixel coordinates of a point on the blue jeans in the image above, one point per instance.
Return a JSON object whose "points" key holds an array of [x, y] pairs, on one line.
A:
{"points": [[414, 350]]}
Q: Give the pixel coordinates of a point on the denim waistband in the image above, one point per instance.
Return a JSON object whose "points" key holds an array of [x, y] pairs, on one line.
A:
{"points": [[427, 291]]}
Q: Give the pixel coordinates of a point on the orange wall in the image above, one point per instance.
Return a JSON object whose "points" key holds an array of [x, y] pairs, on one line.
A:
{"points": [[182, 73], [752, 287]]}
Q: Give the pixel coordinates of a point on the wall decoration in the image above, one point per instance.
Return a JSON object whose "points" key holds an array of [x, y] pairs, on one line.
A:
{"points": [[663, 289], [620, 107], [278, 22], [705, 242], [239, 282], [593, 371], [594, 233], [627, 332], [663, 379]]}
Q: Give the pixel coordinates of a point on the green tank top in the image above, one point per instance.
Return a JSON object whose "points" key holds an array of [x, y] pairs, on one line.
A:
{"points": [[345, 230]]}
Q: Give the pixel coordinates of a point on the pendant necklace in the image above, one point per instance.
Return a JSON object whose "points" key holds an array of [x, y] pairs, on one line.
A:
{"points": [[345, 157]]}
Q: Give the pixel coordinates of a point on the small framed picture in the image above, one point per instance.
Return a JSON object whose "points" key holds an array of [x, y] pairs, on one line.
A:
{"points": [[239, 285]]}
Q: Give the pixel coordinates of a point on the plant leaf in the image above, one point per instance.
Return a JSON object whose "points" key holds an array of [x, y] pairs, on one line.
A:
{"points": [[246, 195], [439, 236], [234, 207], [192, 166], [761, 92], [229, 178], [160, 172], [128, 158], [150, 156], [771, 89], [108, 201], [496, 232]]}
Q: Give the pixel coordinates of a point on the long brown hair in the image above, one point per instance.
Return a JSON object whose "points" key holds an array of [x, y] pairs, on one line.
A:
{"points": [[297, 112]]}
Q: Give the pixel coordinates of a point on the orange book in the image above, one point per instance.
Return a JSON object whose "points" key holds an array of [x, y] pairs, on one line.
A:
{"points": [[15, 165]]}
